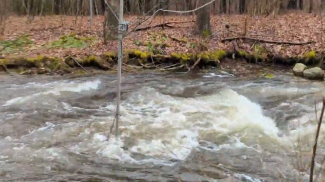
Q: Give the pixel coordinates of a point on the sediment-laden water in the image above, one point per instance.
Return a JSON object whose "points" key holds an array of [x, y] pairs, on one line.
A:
{"points": [[173, 128]]}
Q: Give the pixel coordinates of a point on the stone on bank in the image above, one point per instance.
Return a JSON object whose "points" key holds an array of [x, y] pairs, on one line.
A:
{"points": [[298, 69], [315, 73]]}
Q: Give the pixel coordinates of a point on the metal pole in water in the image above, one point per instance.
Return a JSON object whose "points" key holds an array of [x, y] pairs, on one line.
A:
{"points": [[119, 69]]}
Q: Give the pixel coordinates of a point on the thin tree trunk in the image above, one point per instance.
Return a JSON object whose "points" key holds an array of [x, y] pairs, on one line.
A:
{"points": [[3, 16], [42, 7]]}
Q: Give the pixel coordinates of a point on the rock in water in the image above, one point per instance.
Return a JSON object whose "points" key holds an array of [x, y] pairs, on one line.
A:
{"points": [[299, 69], [315, 73]]}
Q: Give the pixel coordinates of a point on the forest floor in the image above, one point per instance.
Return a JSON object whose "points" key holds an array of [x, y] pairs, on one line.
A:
{"points": [[289, 36]]}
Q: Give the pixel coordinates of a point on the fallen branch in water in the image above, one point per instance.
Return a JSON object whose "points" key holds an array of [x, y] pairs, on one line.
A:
{"points": [[315, 144], [173, 68], [148, 66], [196, 63], [266, 41], [173, 65], [78, 63], [6, 69]]}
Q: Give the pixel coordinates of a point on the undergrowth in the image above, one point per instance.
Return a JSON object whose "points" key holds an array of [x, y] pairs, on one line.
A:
{"points": [[71, 41], [18, 44]]}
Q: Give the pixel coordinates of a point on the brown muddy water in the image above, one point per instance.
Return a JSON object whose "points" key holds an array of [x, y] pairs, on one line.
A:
{"points": [[174, 127]]}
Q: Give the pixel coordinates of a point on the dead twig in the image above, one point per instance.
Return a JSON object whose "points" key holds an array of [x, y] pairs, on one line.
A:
{"points": [[146, 66], [173, 65], [266, 41], [315, 144], [78, 63], [195, 64], [6, 69], [173, 68], [177, 39]]}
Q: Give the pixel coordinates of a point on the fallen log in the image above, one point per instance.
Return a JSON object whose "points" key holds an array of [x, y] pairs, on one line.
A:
{"points": [[266, 41], [161, 25]]}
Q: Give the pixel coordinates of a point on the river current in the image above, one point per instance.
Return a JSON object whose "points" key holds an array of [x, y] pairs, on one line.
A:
{"points": [[173, 127]]}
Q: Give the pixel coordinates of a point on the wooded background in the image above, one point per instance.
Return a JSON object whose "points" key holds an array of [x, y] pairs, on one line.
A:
{"points": [[140, 7]]}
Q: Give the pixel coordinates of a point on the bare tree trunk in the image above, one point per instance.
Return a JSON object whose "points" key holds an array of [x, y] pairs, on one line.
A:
{"points": [[203, 19], [110, 24], [42, 7], [91, 12], [3, 16]]}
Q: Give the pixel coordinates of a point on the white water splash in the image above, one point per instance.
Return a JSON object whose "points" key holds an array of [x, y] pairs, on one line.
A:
{"points": [[170, 127], [161, 127], [56, 89]]}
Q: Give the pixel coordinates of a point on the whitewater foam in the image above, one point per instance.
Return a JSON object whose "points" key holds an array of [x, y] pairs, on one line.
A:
{"points": [[170, 127], [161, 127], [56, 89]]}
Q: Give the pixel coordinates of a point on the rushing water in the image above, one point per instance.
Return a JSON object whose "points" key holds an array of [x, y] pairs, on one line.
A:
{"points": [[172, 128]]}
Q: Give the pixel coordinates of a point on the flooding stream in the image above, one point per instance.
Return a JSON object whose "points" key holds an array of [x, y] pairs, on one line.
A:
{"points": [[173, 128]]}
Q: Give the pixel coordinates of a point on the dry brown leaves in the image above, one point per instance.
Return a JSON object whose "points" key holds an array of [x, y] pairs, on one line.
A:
{"points": [[292, 27]]}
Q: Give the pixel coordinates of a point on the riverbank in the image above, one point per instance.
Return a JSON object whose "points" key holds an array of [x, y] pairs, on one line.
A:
{"points": [[65, 45], [136, 61]]}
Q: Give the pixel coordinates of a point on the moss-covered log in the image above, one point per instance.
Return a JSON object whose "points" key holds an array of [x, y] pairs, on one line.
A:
{"points": [[147, 60]]}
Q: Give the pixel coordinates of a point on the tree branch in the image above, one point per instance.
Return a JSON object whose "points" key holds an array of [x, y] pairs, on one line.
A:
{"points": [[266, 41], [172, 11], [162, 25], [315, 144]]}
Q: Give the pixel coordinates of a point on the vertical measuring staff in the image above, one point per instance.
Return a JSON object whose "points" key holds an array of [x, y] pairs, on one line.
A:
{"points": [[121, 28]]}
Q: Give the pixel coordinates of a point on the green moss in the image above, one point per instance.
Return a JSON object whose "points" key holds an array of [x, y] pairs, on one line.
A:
{"points": [[183, 58], [69, 61], [259, 49], [259, 52], [310, 55], [204, 56], [91, 58], [144, 55], [187, 58], [56, 64], [71, 41], [15, 45], [218, 54], [4, 61], [110, 54], [242, 53], [176, 56], [36, 59], [206, 33], [95, 61], [137, 53]]}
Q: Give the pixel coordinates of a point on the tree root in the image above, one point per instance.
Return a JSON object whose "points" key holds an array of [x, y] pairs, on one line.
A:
{"points": [[266, 41]]}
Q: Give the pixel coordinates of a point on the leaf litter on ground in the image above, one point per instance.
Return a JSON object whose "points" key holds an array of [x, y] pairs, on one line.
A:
{"points": [[56, 30]]}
